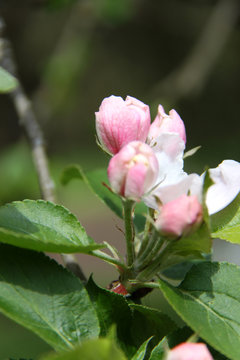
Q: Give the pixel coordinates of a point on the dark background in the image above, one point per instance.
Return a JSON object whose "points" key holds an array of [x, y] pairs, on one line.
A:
{"points": [[71, 54]]}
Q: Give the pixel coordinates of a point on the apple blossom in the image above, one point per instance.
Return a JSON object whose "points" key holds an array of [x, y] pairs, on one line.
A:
{"points": [[172, 181], [119, 122], [179, 216], [225, 187], [133, 171], [164, 123], [189, 351]]}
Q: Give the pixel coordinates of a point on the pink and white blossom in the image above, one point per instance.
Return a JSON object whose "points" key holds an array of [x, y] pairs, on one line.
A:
{"points": [[172, 181], [133, 170], [169, 149], [180, 216], [119, 122], [164, 123], [189, 351]]}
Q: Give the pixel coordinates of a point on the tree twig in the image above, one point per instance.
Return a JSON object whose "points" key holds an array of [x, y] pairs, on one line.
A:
{"points": [[28, 120], [190, 77]]}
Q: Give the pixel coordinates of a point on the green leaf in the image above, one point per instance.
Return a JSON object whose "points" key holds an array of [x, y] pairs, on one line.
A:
{"points": [[159, 351], [7, 81], [208, 300], [113, 309], [140, 354], [96, 349], [149, 322], [199, 241], [173, 339], [43, 226], [97, 181], [226, 223], [70, 173], [44, 297], [134, 323], [188, 248], [178, 271]]}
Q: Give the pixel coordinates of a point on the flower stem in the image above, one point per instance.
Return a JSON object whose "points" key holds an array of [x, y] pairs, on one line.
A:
{"points": [[156, 264], [101, 255], [155, 244], [147, 230], [129, 231]]}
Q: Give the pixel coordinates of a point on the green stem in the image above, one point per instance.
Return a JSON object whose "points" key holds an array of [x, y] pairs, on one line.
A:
{"points": [[151, 270], [151, 251], [150, 245], [129, 233], [108, 258], [147, 230], [144, 284]]}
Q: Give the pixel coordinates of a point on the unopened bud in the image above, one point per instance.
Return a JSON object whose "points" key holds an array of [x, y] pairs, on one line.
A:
{"points": [[119, 122], [190, 351], [180, 216], [133, 171], [164, 123]]}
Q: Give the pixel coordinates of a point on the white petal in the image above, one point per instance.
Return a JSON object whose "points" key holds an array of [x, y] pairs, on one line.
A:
{"points": [[196, 186], [226, 185], [173, 191], [170, 192], [169, 148]]}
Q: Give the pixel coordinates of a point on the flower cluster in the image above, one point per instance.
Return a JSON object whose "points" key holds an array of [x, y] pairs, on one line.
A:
{"points": [[147, 165]]}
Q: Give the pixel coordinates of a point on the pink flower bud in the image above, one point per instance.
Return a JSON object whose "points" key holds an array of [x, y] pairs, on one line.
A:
{"points": [[133, 171], [180, 216], [190, 351], [164, 123], [119, 122]]}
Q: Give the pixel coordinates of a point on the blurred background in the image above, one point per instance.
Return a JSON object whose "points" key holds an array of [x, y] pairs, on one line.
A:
{"points": [[71, 54]]}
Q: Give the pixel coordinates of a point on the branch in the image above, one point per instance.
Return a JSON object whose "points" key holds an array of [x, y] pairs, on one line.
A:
{"points": [[29, 122], [191, 76]]}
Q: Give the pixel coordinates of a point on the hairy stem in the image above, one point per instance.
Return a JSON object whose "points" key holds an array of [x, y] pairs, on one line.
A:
{"points": [[147, 230], [129, 231], [101, 255], [151, 270], [155, 244]]}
